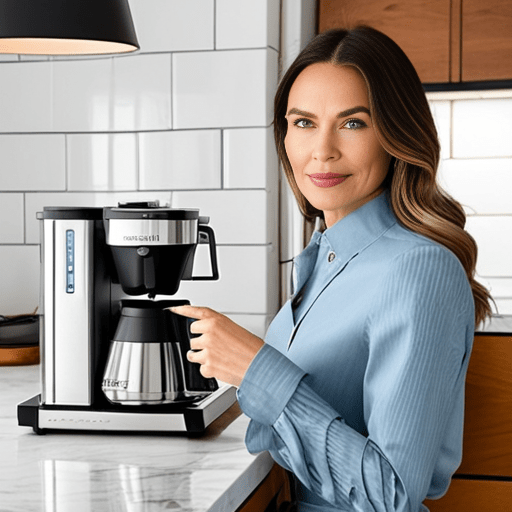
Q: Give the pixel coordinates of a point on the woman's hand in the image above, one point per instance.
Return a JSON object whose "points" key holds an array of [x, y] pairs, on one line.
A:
{"points": [[224, 349]]}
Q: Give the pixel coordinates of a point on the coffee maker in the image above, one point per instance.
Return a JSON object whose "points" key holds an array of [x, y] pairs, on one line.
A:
{"points": [[111, 362]]}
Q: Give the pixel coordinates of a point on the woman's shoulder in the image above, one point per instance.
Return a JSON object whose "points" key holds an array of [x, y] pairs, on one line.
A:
{"points": [[401, 243], [408, 256], [424, 266]]}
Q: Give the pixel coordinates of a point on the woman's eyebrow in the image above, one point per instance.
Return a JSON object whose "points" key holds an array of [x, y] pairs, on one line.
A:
{"points": [[353, 110], [345, 113]]}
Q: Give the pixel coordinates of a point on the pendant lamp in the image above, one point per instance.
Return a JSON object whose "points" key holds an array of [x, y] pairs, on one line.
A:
{"points": [[66, 27]]}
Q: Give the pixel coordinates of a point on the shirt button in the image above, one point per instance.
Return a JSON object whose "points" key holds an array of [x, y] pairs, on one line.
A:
{"points": [[331, 256]]}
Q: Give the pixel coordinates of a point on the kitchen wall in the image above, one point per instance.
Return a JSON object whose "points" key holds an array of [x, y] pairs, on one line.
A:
{"points": [[475, 130], [186, 120]]}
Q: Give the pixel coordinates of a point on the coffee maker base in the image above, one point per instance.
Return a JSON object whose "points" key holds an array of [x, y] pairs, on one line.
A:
{"points": [[191, 418]]}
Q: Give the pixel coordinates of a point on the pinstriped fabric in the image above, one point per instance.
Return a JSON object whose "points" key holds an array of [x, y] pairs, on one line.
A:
{"points": [[374, 417]]}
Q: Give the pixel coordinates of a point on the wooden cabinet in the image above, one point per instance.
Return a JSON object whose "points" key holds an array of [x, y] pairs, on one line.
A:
{"points": [[483, 481], [487, 446], [446, 40], [486, 40], [271, 495], [420, 27], [474, 496]]}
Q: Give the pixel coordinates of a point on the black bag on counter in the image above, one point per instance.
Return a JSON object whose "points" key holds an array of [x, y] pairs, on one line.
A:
{"points": [[19, 340], [19, 331]]}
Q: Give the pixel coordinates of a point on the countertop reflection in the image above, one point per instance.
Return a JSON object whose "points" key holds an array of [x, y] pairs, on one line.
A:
{"points": [[95, 472]]}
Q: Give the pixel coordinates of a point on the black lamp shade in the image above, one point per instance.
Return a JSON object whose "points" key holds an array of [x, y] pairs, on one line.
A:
{"points": [[66, 27]]}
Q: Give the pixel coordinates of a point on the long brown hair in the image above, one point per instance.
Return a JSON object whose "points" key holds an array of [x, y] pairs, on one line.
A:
{"points": [[404, 125]]}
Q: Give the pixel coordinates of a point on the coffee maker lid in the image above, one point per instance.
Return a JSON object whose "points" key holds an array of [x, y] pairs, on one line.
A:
{"points": [[149, 211]]}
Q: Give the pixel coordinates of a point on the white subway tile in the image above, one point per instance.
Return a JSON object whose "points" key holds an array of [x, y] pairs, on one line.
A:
{"points": [[441, 111], [173, 25], [82, 91], [482, 128], [28, 57], [9, 57], [247, 24], [36, 202], [250, 158], [11, 219], [493, 235], [237, 217], [19, 279], [223, 89], [142, 92], [123, 94], [248, 282], [504, 306], [188, 159], [483, 186], [257, 324], [273, 23], [25, 102], [501, 291], [33, 162], [102, 162], [498, 287]]}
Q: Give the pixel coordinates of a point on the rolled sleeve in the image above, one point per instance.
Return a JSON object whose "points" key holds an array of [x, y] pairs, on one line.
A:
{"points": [[268, 384]]}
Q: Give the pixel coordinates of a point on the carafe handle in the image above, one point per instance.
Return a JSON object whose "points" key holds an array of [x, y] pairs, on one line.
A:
{"points": [[213, 254]]}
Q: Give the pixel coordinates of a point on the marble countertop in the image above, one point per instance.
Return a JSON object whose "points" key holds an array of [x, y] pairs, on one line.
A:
{"points": [[97, 472]]}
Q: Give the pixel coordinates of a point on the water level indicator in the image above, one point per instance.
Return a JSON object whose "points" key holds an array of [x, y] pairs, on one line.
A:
{"points": [[70, 261]]}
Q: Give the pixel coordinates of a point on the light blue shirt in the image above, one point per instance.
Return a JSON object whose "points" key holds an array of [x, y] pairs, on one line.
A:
{"points": [[360, 393]]}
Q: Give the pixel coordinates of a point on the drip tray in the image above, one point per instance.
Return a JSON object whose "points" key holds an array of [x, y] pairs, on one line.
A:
{"points": [[192, 418]]}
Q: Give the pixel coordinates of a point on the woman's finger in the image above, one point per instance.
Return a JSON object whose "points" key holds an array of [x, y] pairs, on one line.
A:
{"points": [[191, 356], [197, 343], [191, 311], [198, 327], [196, 356]]}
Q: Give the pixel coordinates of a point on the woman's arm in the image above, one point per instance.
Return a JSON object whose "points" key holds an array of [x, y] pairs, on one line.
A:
{"points": [[419, 333]]}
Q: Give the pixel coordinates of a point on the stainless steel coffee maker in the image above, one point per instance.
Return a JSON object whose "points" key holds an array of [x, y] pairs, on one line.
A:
{"points": [[110, 362]]}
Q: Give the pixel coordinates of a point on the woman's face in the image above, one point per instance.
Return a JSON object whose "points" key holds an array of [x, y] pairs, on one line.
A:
{"points": [[337, 160]]}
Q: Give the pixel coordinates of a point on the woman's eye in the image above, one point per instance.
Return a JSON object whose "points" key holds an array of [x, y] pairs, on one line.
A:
{"points": [[354, 124], [302, 123]]}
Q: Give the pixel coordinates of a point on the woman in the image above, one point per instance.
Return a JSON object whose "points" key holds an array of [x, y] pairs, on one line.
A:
{"points": [[358, 389]]}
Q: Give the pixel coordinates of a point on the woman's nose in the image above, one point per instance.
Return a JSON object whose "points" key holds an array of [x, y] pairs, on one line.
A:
{"points": [[326, 147]]}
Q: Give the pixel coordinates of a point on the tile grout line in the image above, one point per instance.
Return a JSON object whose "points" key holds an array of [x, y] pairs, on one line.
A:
{"points": [[123, 132], [24, 218], [222, 159], [214, 25], [452, 131]]}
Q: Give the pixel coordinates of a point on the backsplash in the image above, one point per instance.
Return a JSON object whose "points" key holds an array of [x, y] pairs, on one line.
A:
{"points": [[475, 130], [186, 120]]}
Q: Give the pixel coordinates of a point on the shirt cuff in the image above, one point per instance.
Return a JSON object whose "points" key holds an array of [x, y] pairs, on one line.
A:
{"points": [[268, 385]]}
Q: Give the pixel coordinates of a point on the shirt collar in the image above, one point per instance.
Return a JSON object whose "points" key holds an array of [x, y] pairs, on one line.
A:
{"points": [[347, 238], [353, 233]]}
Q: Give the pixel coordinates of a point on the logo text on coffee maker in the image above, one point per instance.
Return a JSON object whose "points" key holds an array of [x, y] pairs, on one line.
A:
{"points": [[113, 383], [141, 238]]}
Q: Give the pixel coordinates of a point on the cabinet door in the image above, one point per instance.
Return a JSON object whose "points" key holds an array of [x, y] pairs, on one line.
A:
{"points": [[271, 495], [487, 446], [420, 27], [474, 496], [486, 40]]}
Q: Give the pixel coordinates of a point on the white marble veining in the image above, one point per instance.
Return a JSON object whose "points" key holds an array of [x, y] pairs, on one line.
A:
{"points": [[120, 472]]}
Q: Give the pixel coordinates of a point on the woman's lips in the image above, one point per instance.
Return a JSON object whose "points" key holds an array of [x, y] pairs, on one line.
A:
{"points": [[327, 179]]}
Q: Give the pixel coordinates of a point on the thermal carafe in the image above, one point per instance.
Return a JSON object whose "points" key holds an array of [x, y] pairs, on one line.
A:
{"points": [[147, 358]]}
